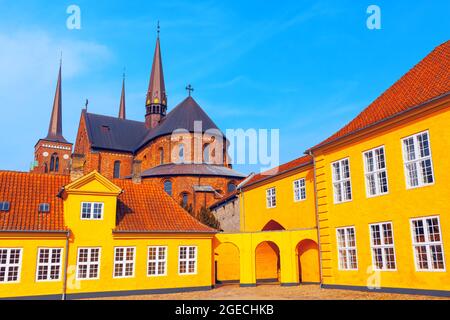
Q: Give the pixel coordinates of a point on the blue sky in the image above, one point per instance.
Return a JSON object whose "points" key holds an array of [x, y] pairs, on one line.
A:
{"points": [[304, 67]]}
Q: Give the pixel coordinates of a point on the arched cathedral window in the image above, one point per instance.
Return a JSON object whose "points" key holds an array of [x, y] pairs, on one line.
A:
{"points": [[181, 152], [168, 187], [54, 163], [116, 170]]}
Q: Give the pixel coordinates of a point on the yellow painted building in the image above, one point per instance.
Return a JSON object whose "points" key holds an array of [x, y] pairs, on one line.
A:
{"points": [[383, 191], [376, 193], [277, 241], [97, 238]]}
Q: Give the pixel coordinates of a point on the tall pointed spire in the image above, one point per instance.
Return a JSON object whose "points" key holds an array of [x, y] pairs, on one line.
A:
{"points": [[122, 112], [157, 90], [55, 127], [156, 101]]}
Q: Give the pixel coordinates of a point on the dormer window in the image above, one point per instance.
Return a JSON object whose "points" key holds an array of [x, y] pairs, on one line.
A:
{"points": [[4, 206], [91, 211], [44, 208]]}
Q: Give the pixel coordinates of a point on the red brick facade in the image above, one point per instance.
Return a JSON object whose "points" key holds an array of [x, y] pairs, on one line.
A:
{"points": [[52, 157]]}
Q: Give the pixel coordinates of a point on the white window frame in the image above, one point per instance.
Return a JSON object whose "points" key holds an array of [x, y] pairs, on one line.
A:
{"points": [[157, 261], [382, 246], [187, 260], [8, 265], [271, 198], [299, 190], [375, 173], [417, 161], [89, 263], [427, 244], [341, 182], [124, 262], [49, 264], [91, 214], [347, 248]]}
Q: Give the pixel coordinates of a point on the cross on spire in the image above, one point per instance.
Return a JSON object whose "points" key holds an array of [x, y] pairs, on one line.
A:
{"points": [[190, 89], [158, 29]]}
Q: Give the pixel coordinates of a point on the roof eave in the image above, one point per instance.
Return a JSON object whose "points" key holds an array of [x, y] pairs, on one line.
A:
{"points": [[278, 174], [402, 113]]}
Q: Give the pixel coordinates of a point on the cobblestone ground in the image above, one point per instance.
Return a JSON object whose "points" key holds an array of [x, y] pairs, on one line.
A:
{"points": [[275, 292]]}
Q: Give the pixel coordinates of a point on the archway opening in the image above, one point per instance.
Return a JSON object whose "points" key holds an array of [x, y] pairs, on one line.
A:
{"points": [[308, 261], [272, 225], [227, 260], [267, 263]]}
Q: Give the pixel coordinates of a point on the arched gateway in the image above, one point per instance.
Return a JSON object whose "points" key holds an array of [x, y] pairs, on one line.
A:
{"points": [[286, 257]]}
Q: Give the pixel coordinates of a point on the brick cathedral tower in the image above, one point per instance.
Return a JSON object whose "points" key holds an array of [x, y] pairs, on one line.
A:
{"points": [[156, 103], [52, 154]]}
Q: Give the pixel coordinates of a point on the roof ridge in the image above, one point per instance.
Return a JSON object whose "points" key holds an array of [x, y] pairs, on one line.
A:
{"points": [[115, 118]]}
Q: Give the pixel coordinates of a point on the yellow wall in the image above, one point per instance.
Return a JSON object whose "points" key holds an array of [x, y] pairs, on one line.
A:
{"points": [[227, 263], [398, 207], [30, 244], [252, 258], [267, 256], [254, 214], [141, 281]]}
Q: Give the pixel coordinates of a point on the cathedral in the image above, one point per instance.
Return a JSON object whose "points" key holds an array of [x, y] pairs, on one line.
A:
{"points": [[181, 149]]}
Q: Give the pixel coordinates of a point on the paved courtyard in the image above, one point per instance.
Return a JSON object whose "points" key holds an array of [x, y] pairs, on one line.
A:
{"points": [[275, 292]]}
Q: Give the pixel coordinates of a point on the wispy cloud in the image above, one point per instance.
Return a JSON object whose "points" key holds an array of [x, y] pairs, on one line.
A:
{"points": [[28, 70]]}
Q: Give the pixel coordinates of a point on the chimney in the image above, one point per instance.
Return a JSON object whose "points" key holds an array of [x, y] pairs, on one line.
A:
{"points": [[77, 166], [136, 172]]}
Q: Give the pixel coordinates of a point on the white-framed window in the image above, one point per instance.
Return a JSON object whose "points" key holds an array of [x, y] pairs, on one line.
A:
{"points": [[375, 171], [124, 258], [341, 181], [92, 211], [187, 260], [10, 265], [382, 245], [88, 263], [49, 264], [299, 190], [418, 161], [271, 198], [427, 244], [347, 255], [157, 261]]}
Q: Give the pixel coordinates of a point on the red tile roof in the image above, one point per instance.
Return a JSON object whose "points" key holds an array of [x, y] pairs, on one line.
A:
{"points": [[25, 191], [294, 164], [146, 207], [429, 79], [141, 207]]}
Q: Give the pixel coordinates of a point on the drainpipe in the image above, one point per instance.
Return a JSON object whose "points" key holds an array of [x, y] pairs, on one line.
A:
{"points": [[66, 265], [317, 220]]}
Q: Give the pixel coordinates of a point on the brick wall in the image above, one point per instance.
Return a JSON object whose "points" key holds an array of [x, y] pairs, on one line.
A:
{"points": [[43, 153], [185, 184]]}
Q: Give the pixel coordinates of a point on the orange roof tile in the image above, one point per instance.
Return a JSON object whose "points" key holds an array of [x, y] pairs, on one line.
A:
{"points": [[428, 80], [286, 167], [141, 207], [146, 207], [25, 191]]}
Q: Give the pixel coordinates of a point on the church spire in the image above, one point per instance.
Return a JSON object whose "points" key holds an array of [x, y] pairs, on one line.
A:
{"points": [[122, 113], [55, 127], [156, 102]]}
